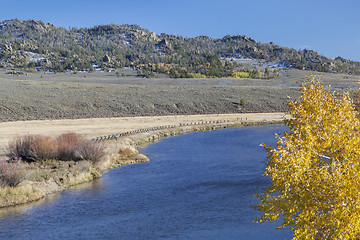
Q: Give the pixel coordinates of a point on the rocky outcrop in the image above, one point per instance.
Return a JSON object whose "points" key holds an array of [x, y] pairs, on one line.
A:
{"points": [[164, 44], [7, 48], [127, 45], [106, 59]]}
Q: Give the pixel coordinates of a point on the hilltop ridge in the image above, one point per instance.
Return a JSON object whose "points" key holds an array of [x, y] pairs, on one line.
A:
{"points": [[33, 45]]}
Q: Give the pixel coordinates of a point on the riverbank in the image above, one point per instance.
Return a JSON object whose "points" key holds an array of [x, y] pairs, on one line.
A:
{"points": [[96, 127], [50, 176], [204, 177]]}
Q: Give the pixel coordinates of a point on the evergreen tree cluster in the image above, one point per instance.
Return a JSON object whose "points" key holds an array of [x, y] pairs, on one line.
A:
{"points": [[44, 47]]}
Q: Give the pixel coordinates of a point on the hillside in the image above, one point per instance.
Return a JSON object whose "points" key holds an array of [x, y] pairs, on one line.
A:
{"points": [[105, 95], [38, 46]]}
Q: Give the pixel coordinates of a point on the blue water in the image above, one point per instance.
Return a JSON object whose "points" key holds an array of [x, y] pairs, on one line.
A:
{"points": [[197, 186]]}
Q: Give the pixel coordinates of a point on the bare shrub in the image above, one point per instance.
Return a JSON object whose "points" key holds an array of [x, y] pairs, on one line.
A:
{"points": [[31, 148], [68, 145], [20, 149], [44, 148], [11, 173], [91, 151]]}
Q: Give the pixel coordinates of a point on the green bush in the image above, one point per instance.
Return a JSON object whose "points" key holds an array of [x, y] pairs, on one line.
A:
{"points": [[196, 75], [242, 102], [240, 75]]}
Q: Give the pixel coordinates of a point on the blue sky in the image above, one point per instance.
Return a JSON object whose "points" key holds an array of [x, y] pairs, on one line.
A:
{"points": [[330, 27]]}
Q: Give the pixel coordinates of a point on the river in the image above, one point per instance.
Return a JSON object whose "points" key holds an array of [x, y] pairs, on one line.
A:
{"points": [[196, 186]]}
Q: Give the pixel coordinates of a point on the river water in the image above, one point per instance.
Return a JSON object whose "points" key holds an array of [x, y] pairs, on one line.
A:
{"points": [[196, 186]]}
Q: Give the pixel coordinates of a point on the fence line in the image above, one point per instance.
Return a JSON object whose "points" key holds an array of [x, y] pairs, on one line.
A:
{"points": [[145, 130]]}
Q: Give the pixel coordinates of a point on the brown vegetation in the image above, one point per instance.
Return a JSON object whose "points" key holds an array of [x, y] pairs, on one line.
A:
{"points": [[10, 196], [44, 148], [68, 144], [91, 151], [101, 95], [11, 173], [20, 149], [39, 165], [66, 147]]}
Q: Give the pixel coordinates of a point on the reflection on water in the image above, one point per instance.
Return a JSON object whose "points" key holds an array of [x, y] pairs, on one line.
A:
{"points": [[24, 208], [196, 186]]}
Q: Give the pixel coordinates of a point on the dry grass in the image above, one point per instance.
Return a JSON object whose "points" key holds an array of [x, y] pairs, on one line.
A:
{"points": [[49, 176], [10, 196], [128, 152], [80, 167], [125, 97], [80, 178], [128, 155]]}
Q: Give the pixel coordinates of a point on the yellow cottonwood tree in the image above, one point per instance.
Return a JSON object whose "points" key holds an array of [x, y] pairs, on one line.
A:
{"points": [[315, 168]]}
